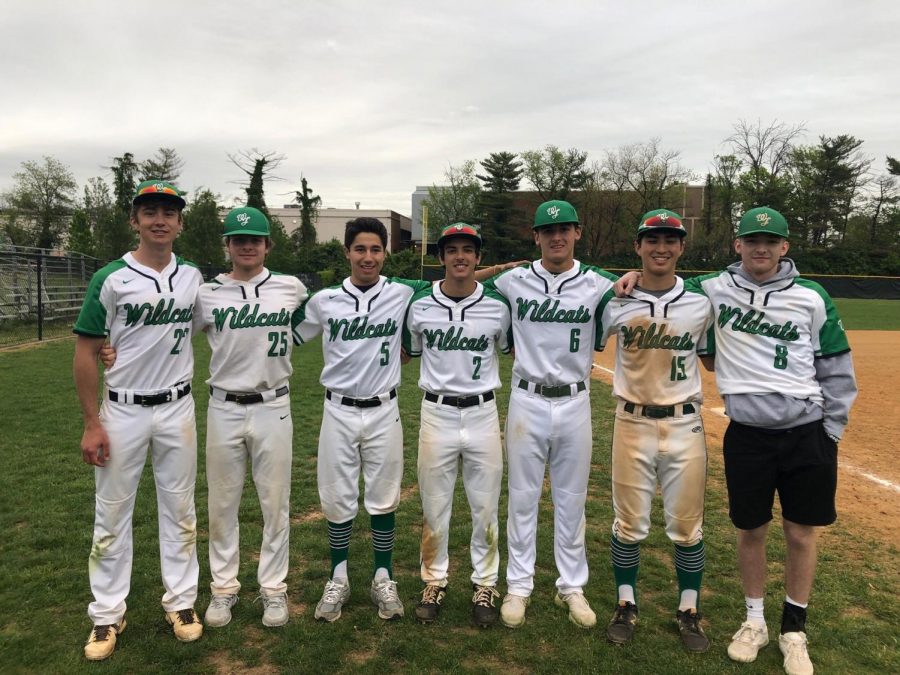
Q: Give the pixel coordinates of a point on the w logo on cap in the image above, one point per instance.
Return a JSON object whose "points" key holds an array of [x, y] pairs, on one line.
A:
{"points": [[159, 187], [763, 219], [553, 212], [243, 218]]}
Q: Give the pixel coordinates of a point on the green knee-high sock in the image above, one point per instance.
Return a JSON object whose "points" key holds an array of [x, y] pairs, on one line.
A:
{"points": [[626, 559], [383, 541], [689, 562], [339, 542]]}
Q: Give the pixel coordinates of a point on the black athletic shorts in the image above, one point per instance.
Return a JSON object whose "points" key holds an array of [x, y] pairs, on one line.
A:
{"points": [[799, 463]]}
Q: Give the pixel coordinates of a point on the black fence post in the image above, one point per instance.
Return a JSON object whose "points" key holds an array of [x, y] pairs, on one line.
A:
{"points": [[40, 299]]}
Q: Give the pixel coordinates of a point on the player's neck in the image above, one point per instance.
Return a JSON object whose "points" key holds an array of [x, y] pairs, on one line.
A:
{"points": [[155, 257], [245, 273], [656, 282], [458, 288], [558, 268]]}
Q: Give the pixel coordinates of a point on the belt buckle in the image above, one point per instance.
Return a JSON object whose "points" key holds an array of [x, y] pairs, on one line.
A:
{"points": [[656, 412], [245, 399]]}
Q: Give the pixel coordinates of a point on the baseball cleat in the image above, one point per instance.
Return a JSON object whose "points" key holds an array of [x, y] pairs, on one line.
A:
{"points": [[185, 624], [692, 636], [384, 595], [336, 593], [746, 643], [580, 612], [102, 641], [621, 626], [218, 613], [276, 610], [428, 608], [484, 612], [796, 657], [512, 611]]}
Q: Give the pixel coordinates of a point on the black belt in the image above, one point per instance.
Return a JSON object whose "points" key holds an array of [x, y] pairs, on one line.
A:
{"points": [[247, 399], [554, 391], [460, 401], [373, 402], [658, 412], [147, 400]]}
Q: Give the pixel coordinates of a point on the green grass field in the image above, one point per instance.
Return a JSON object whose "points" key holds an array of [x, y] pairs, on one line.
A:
{"points": [[869, 314], [46, 515]]}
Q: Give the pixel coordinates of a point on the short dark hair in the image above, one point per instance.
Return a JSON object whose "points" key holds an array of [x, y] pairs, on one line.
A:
{"points": [[471, 240], [358, 225], [161, 199]]}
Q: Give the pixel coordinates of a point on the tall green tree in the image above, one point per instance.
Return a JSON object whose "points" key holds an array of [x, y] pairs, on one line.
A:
{"points": [[827, 178], [503, 222], [43, 194], [125, 172], [109, 222], [201, 238], [165, 165], [556, 173], [81, 238], [458, 199], [305, 235]]}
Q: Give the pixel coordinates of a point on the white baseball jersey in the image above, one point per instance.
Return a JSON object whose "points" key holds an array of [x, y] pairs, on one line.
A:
{"points": [[148, 317], [774, 332], [658, 340], [553, 316], [361, 333], [460, 340], [249, 325]]}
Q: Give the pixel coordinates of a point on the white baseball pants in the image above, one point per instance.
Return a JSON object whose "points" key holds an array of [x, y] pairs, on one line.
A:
{"points": [[263, 433], [446, 435], [169, 430], [359, 439], [539, 431]]}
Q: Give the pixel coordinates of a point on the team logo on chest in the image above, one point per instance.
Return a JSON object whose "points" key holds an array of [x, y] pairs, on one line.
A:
{"points": [[245, 317], [654, 336], [164, 312], [453, 339], [548, 312], [359, 329], [754, 322]]}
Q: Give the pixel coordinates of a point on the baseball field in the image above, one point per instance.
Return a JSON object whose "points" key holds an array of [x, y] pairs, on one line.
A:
{"points": [[46, 515]]}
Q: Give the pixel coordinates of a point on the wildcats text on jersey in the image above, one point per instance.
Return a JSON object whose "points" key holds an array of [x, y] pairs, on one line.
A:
{"points": [[164, 312], [654, 336], [453, 339], [359, 329], [245, 317], [550, 313], [752, 322]]}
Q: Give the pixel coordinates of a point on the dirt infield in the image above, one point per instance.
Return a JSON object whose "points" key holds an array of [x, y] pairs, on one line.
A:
{"points": [[869, 479]]}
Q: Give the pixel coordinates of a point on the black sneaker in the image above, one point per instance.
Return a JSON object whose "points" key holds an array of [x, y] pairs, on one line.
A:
{"points": [[692, 636], [621, 627], [428, 608], [484, 612]]}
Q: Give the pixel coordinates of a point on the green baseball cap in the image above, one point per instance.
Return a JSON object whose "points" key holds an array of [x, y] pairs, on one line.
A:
{"points": [[459, 230], [157, 189], [246, 220], [554, 212], [763, 219], [661, 220]]}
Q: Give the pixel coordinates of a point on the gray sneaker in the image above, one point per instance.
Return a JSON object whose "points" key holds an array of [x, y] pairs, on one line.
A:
{"points": [[276, 610], [218, 613], [336, 593], [384, 595]]}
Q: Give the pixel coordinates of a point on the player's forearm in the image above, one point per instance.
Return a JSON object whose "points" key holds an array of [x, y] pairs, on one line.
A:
{"points": [[838, 381], [84, 370]]}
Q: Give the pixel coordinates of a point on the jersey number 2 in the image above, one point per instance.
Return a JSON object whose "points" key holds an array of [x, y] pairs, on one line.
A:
{"points": [[179, 335]]}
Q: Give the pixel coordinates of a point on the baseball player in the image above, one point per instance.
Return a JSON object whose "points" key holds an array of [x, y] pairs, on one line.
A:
{"points": [[553, 302], [784, 370], [361, 322], [144, 304], [658, 436], [457, 327], [247, 315]]}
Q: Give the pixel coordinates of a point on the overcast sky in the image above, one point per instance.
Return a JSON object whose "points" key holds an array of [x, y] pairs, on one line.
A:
{"points": [[370, 99]]}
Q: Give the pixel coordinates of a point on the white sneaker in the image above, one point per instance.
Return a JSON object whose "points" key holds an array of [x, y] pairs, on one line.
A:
{"points": [[746, 643], [337, 592], [218, 613], [512, 612], [796, 658], [580, 612], [276, 610], [384, 595]]}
